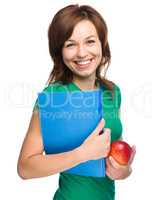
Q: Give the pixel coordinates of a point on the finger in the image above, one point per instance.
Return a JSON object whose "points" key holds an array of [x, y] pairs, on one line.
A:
{"points": [[109, 169], [106, 139], [132, 154], [95, 133], [107, 136], [114, 163], [99, 127], [109, 174], [108, 163]]}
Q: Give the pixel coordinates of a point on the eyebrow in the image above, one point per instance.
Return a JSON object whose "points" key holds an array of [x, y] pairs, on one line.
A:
{"points": [[71, 40]]}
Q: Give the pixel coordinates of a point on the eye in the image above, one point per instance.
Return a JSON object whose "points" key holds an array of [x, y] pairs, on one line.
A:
{"points": [[91, 41], [69, 45]]}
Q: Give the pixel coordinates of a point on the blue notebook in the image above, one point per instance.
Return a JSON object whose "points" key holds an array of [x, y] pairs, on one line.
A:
{"points": [[67, 119]]}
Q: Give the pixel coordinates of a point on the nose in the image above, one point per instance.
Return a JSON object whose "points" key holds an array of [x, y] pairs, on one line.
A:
{"points": [[81, 51]]}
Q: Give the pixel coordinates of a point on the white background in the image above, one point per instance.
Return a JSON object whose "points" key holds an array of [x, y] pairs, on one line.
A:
{"points": [[25, 65]]}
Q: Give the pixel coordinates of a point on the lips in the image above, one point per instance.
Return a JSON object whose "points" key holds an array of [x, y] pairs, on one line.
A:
{"points": [[83, 63]]}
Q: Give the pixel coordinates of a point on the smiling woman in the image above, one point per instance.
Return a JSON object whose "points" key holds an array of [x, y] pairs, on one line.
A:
{"points": [[82, 53], [79, 48]]}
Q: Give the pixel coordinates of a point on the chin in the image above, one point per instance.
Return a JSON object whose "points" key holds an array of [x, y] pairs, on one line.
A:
{"points": [[85, 73]]}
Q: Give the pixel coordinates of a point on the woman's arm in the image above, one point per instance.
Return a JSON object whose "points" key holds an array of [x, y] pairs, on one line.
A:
{"points": [[114, 170], [32, 163]]}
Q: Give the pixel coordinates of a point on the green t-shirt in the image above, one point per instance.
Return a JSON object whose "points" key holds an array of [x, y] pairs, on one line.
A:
{"points": [[76, 187]]}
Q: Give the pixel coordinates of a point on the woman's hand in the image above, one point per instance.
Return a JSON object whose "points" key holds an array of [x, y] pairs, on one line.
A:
{"points": [[96, 146], [115, 171]]}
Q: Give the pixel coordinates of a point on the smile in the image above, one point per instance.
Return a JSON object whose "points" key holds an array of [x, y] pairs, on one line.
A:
{"points": [[83, 63]]}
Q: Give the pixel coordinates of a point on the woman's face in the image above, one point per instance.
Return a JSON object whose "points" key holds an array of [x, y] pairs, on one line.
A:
{"points": [[82, 52]]}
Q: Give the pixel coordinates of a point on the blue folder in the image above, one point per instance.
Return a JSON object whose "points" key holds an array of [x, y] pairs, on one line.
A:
{"points": [[67, 119]]}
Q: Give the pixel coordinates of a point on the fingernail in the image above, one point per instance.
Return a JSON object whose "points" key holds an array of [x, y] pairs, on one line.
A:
{"points": [[107, 130]]}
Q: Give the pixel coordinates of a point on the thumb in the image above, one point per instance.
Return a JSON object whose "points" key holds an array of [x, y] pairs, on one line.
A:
{"points": [[99, 127], [96, 131], [106, 135], [133, 154], [107, 138]]}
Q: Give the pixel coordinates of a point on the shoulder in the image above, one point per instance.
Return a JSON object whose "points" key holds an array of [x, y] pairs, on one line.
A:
{"points": [[117, 95], [110, 86], [53, 87], [116, 89], [111, 91]]}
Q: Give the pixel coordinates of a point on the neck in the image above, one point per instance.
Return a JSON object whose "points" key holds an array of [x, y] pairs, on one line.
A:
{"points": [[85, 84]]}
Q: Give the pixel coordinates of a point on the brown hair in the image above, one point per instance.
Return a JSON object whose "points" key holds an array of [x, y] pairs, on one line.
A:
{"points": [[61, 29]]}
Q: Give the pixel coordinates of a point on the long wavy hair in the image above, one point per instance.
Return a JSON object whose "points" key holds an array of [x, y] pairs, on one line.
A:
{"points": [[60, 30]]}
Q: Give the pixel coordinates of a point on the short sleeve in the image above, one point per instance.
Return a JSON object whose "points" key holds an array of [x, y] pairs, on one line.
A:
{"points": [[36, 107], [117, 96]]}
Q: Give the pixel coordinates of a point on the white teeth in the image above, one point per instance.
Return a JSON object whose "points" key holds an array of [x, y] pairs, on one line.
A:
{"points": [[85, 62]]}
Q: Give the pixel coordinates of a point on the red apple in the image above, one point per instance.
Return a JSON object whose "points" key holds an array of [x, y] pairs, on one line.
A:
{"points": [[120, 151]]}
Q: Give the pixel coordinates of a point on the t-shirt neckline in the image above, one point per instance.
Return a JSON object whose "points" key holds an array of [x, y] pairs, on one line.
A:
{"points": [[78, 88]]}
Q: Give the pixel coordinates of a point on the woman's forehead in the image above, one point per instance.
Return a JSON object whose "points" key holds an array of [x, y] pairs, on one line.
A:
{"points": [[84, 29]]}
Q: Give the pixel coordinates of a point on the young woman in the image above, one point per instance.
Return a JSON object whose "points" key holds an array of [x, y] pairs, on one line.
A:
{"points": [[79, 48]]}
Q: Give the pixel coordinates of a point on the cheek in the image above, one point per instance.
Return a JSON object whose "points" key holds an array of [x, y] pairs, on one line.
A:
{"points": [[68, 55], [97, 50]]}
